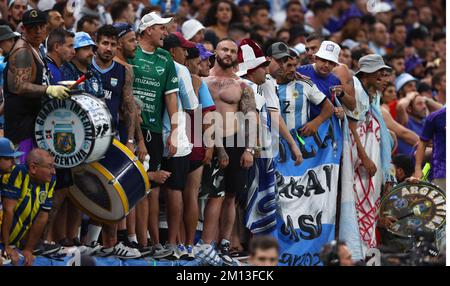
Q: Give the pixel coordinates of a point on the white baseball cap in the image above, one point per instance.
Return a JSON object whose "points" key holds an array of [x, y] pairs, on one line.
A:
{"points": [[329, 51], [151, 19], [190, 28]]}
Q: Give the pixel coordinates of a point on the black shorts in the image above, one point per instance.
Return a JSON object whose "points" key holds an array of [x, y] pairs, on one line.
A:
{"points": [[179, 167], [155, 147], [194, 165], [231, 180], [63, 178]]}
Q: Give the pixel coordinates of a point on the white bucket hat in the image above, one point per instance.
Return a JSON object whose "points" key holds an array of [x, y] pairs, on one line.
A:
{"points": [[329, 51], [190, 28]]}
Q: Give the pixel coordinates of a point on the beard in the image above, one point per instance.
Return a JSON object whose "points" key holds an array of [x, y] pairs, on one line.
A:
{"points": [[225, 65]]}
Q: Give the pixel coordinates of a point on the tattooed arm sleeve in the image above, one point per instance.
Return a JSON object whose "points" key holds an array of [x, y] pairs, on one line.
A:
{"points": [[20, 79], [247, 106], [129, 104]]}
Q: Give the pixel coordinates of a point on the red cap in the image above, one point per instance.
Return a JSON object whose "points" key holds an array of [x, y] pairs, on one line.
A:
{"points": [[183, 42]]}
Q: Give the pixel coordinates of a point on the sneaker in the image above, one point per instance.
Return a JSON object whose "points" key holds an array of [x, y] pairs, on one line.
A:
{"points": [[207, 254], [132, 244], [157, 247], [145, 250], [76, 242], [4, 258], [46, 249], [65, 242], [190, 253], [182, 252], [169, 252], [90, 249], [105, 252], [225, 252], [124, 252]]}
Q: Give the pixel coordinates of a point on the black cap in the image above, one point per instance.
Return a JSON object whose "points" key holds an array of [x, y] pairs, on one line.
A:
{"points": [[34, 16], [279, 50], [192, 53]]}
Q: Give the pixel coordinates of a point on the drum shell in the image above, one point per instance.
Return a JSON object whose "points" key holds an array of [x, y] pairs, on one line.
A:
{"points": [[124, 184]]}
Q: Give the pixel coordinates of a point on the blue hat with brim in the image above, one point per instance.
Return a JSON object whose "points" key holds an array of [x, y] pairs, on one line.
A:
{"points": [[82, 39], [7, 149], [403, 79]]}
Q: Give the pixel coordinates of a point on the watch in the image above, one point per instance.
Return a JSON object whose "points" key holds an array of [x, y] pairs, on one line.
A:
{"points": [[131, 141], [250, 150]]}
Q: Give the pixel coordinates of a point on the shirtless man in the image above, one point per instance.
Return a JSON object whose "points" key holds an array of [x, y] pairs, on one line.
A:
{"points": [[230, 96]]}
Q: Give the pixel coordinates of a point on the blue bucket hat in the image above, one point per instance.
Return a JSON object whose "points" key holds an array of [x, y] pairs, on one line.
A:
{"points": [[82, 39], [7, 149], [403, 79]]}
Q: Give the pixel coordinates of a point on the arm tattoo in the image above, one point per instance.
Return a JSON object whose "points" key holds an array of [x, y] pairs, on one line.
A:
{"points": [[20, 80], [129, 105], [248, 107], [137, 130]]}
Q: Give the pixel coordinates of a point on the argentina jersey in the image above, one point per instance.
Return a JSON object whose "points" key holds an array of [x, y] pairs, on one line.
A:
{"points": [[295, 98]]}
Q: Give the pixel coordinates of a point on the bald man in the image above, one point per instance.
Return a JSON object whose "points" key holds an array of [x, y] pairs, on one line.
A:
{"points": [[33, 185]]}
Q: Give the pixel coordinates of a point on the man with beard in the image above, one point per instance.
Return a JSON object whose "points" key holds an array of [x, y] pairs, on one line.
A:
{"points": [[78, 66], [126, 49], [117, 81], [233, 159], [16, 9]]}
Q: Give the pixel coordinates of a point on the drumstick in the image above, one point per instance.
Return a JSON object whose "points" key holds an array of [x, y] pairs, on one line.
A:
{"points": [[82, 78]]}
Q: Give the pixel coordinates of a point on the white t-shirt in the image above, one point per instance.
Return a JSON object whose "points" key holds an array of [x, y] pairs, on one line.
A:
{"points": [[362, 102], [187, 100]]}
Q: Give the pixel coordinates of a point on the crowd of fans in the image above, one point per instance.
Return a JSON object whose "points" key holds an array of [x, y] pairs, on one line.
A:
{"points": [[198, 47]]}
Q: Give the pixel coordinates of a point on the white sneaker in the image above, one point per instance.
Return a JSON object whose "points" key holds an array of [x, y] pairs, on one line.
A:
{"points": [[182, 252], [124, 252], [4, 259], [91, 249], [169, 252], [190, 253], [207, 254]]}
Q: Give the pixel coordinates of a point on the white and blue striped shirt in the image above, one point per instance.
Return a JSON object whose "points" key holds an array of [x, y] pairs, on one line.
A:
{"points": [[295, 98]]}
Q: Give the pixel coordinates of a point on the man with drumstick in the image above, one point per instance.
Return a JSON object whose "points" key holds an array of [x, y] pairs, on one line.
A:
{"points": [[156, 84], [27, 83]]}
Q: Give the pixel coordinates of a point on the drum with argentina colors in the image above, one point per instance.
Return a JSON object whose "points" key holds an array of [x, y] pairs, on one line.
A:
{"points": [[108, 190], [75, 130]]}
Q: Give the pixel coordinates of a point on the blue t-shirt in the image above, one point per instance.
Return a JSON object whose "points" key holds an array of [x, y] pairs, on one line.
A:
{"points": [[416, 127], [55, 73], [323, 83], [93, 85], [434, 129]]}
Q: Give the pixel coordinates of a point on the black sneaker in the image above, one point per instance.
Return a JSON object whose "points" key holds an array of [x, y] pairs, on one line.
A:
{"points": [[76, 242], [46, 249], [225, 252], [65, 242], [145, 250]]}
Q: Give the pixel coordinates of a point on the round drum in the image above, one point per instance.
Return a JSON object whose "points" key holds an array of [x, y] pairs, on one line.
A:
{"points": [[418, 208], [76, 130], [108, 189]]}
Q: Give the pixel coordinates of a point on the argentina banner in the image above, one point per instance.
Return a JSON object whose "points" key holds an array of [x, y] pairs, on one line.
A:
{"points": [[307, 195]]}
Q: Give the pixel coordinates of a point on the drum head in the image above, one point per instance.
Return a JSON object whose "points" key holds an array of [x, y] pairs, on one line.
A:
{"points": [[418, 208]]}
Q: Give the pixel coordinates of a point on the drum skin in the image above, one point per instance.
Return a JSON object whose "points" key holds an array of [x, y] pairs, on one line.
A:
{"points": [[75, 130], [418, 207], [108, 189]]}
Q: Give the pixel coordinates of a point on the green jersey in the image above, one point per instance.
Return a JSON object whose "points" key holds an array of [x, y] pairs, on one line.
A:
{"points": [[154, 77]]}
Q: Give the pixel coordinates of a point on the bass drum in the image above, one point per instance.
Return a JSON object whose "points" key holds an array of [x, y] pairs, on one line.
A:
{"points": [[108, 189], [75, 130], [418, 208]]}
